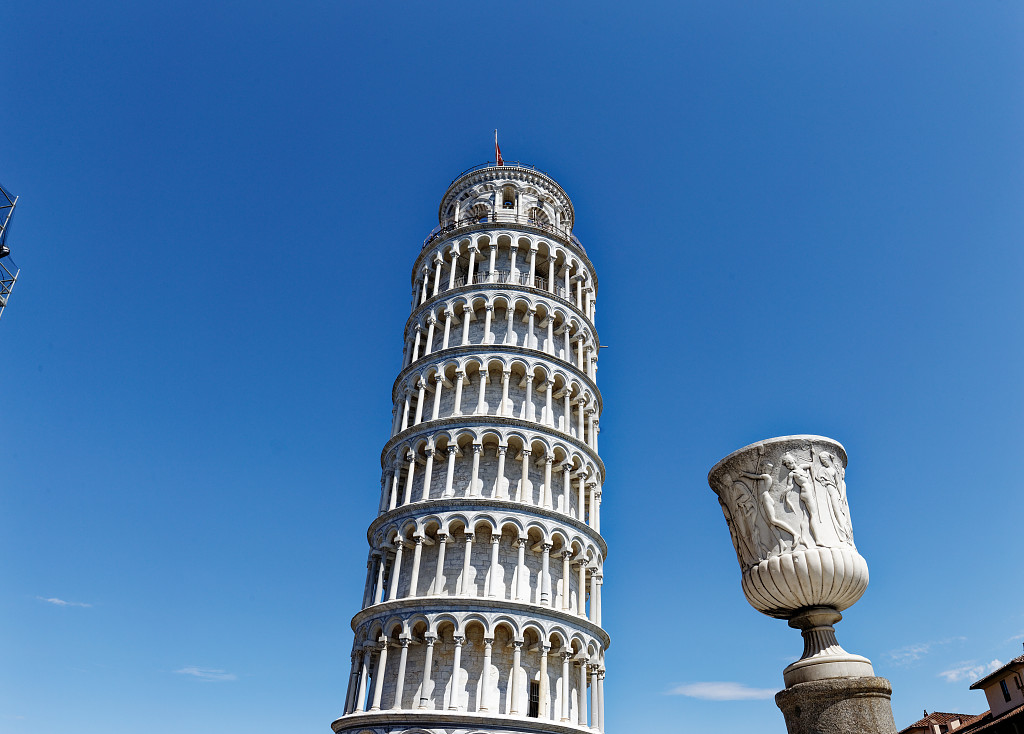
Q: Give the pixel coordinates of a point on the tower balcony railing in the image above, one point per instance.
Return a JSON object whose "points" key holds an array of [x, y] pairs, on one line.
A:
{"points": [[448, 228], [513, 278]]}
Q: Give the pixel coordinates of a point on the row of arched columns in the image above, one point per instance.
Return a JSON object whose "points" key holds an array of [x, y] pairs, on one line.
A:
{"points": [[501, 319], [523, 469], [495, 257], [499, 386], [477, 667], [486, 560]]}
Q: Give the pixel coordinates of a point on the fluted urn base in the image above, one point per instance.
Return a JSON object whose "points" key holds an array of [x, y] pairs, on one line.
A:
{"points": [[823, 656]]}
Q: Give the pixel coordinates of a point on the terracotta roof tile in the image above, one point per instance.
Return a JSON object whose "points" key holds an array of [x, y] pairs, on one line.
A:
{"points": [[938, 717]]}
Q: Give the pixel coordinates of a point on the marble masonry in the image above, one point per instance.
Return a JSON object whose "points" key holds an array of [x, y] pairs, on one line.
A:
{"points": [[482, 605]]}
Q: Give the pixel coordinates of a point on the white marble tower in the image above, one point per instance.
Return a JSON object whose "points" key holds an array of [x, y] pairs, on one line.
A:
{"points": [[482, 607]]}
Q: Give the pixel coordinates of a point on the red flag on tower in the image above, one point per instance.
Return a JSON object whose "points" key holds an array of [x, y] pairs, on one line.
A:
{"points": [[497, 151]]}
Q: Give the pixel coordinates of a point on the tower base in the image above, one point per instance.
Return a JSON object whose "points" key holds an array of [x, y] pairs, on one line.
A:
{"points": [[838, 706]]}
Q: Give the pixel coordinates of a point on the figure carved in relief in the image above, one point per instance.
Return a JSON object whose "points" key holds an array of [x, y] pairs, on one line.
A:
{"points": [[746, 518], [800, 483], [827, 475], [768, 505], [738, 541]]}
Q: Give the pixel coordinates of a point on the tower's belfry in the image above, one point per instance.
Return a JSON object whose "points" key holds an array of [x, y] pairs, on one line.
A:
{"points": [[482, 607]]}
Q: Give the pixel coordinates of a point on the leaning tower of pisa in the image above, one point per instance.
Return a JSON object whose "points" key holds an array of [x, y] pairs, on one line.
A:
{"points": [[482, 606]]}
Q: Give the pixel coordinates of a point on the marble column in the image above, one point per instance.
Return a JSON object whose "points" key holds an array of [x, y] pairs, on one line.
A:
{"points": [[378, 679], [566, 685], [453, 702], [426, 685], [402, 660], [417, 555], [466, 558], [396, 570], [485, 687], [364, 673]]}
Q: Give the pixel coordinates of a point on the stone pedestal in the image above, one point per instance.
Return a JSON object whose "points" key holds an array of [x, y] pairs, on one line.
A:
{"points": [[838, 706]]}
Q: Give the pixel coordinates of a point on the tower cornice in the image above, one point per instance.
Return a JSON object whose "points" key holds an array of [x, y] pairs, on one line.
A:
{"points": [[461, 504]]}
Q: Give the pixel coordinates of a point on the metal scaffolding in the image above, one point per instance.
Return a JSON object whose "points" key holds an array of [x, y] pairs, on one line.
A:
{"points": [[8, 270]]}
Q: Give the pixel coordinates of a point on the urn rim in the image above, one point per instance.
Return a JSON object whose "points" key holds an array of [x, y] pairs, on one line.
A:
{"points": [[775, 439]]}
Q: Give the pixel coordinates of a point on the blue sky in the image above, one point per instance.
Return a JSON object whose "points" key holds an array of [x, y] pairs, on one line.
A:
{"points": [[806, 218]]}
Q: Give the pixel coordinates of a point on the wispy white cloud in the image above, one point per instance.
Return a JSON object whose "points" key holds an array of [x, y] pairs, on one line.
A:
{"points": [[969, 670], [208, 674], [61, 603], [1016, 637], [911, 653], [722, 691]]}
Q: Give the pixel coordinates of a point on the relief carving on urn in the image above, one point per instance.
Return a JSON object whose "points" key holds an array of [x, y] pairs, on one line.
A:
{"points": [[785, 503]]}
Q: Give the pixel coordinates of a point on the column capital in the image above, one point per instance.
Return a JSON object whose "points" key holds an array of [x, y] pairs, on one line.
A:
{"points": [[442, 537], [534, 247], [473, 248], [502, 450], [567, 655], [432, 320], [458, 640], [488, 641], [460, 374], [466, 308], [495, 538], [521, 542], [478, 448], [453, 450], [489, 307], [527, 452], [429, 638], [546, 546], [549, 459], [567, 553]]}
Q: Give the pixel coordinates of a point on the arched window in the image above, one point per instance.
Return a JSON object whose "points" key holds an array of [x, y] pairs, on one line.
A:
{"points": [[508, 198]]}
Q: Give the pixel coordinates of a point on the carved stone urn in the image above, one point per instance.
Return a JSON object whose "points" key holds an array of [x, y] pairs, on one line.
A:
{"points": [[784, 500]]}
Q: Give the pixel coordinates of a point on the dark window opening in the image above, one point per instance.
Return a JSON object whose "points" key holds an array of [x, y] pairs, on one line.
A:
{"points": [[1006, 691], [534, 709]]}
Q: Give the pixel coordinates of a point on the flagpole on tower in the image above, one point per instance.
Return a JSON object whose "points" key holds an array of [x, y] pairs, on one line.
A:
{"points": [[497, 151]]}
